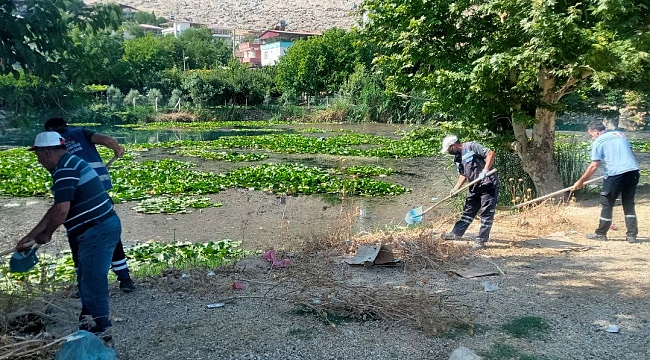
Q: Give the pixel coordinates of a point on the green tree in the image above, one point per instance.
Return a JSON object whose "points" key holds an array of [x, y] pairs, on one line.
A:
{"points": [[250, 86], [207, 87], [507, 59], [34, 35], [154, 97], [175, 98], [132, 98], [197, 49], [98, 59], [23, 95], [132, 29], [320, 63], [114, 98], [147, 57], [143, 17]]}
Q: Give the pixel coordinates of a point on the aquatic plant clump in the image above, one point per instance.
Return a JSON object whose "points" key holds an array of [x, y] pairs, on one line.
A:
{"points": [[55, 272], [173, 204], [204, 125], [341, 145], [22, 175], [140, 180], [220, 155], [367, 171], [185, 254], [300, 179]]}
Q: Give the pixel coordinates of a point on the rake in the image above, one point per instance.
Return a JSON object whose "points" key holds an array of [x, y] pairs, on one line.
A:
{"points": [[415, 215]]}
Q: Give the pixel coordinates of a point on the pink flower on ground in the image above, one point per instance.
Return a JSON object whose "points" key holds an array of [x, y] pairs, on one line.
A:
{"points": [[269, 256]]}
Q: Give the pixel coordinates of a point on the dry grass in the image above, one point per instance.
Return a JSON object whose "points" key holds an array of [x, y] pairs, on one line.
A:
{"points": [[320, 292], [419, 248], [547, 217], [329, 115], [22, 328], [180, 116], [430, 313], [41, 346]]}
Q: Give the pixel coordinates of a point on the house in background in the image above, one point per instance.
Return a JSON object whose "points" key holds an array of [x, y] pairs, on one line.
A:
{"points": [[221, 33], [177, 27], [156, 30], [276, 42], [250, 53], [127, 11]]}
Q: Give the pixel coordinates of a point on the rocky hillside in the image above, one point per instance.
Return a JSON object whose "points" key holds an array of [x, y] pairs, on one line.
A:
{"points": [[299, 15]]}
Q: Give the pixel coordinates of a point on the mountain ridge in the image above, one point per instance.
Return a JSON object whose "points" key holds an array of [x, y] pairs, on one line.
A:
{"points": [[299, 15]]}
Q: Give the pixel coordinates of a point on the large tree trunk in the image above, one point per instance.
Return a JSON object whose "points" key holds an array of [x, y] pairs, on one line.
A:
{"points": [[536, 152]]}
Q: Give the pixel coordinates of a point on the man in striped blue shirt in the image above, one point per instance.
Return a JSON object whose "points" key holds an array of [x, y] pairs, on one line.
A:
{"points": [[81, 205], [81, 142]]}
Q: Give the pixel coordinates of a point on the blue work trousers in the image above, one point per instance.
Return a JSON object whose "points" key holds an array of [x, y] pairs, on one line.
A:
{"points": [[95, 249]]}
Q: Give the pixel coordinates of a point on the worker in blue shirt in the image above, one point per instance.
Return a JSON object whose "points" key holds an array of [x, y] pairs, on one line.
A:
{"points": [[621, 178]]}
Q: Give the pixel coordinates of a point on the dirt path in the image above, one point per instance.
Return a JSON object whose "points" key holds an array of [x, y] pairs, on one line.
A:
{"points": [[579, 292]]}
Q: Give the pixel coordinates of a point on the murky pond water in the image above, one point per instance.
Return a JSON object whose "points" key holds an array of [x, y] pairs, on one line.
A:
{"points": [[266, 215]]}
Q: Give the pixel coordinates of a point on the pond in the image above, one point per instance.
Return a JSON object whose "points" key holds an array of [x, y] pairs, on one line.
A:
{"points": [[247, 214]]}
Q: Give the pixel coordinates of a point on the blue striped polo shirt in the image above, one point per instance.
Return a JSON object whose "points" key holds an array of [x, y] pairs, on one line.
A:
{"points": [[74, 180], [78, 141]]}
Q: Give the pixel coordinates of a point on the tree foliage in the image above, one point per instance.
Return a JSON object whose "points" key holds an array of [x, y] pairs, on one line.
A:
{"points": [[149, 18], [199, 50], [509, 59], [96, 58], [320, 63], [147, 57], [34, 34]]}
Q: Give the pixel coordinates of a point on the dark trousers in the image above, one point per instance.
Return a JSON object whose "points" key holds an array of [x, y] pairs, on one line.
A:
{"points": [[118, 262], [483, 200], [625, 186]]}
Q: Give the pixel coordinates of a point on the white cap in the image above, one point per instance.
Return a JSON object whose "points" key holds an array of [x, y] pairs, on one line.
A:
{"points": [[47, 139], [447, 142]]}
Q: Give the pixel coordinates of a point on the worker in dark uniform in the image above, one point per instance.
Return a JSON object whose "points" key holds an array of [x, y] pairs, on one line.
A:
{"points": [[473, 161]]}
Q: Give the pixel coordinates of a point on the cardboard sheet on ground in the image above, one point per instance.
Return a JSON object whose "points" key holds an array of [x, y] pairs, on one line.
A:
{"points": [[552, 244], [368, 255], [472, 273]]}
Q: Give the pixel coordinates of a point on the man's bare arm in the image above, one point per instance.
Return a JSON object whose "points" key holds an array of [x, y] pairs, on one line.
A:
{"points": [[459, 182], [591, 169], [489, 160], [42, 232], [109, 142]]}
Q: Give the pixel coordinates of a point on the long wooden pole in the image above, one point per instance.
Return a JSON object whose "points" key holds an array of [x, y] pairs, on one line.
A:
{"points": [[13, 249], [553, 194], [458, 191]]}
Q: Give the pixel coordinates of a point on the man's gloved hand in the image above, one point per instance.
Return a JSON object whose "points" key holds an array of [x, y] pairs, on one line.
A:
{"points": [[452, 191], [481, 176]]}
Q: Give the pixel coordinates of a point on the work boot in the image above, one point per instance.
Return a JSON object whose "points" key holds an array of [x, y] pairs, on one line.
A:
{"points": [[478, 244], [631, 239], [127, 286], [594, 236], [106, 337], [449, 236]]}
